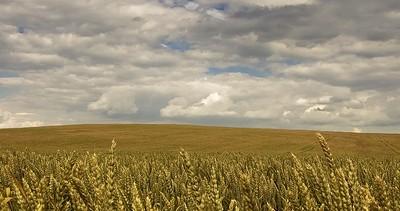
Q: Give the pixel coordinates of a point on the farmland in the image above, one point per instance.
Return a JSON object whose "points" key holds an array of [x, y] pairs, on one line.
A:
{"points": [[170, 138], [170, 167]]}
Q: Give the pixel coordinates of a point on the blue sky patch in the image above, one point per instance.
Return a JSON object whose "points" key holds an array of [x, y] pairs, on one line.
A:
{"points": [[221, 6], [291, 62], [7, 74], [177, 45], [7, 91], [21, 29], [238, 69], [174, 3]]}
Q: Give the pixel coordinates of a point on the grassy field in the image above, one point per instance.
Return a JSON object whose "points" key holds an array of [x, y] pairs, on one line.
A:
{"points": [[155, 138]]}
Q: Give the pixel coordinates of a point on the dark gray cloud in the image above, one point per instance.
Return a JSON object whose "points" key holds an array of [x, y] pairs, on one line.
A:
{"points": [[312, 23]]}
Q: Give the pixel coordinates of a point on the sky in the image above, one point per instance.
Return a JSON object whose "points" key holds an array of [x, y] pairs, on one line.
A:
{"points": [[296, 64]]}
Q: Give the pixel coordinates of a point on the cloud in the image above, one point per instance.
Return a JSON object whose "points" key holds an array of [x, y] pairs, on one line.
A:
{"points": [[238, 69], [195, 7], [116, 100], [352, 71], [393, 14], [4, 116], [258, 63], [315, 108], [216, 14], [214, 104], [278, 3], [265, 114], [257, 3], [10, 120], [319, 117], [311, 101]]}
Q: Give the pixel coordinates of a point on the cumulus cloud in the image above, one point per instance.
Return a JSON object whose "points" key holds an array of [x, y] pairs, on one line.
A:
{"points": [[117, 100], [4, 116], [312, 64], [214, 104], [12, 120]]}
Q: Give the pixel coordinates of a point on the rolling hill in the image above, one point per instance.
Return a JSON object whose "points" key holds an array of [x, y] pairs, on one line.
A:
{"points": [[155, 138]]}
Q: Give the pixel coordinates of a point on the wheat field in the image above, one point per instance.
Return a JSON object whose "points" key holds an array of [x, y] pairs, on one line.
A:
{"points": [[69, 180], [194, 138]]}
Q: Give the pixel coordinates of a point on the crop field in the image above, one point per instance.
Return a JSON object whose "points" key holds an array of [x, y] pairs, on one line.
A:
{"points": [[170, 138], [193, 181], [238, 177]]}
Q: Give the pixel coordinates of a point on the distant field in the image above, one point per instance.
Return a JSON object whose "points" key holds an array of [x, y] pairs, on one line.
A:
{"points": [[154, 138]]}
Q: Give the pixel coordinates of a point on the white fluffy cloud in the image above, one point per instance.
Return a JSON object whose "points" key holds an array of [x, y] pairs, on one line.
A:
{"points": [[10, 120], [214, 104], [116, 100]]}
